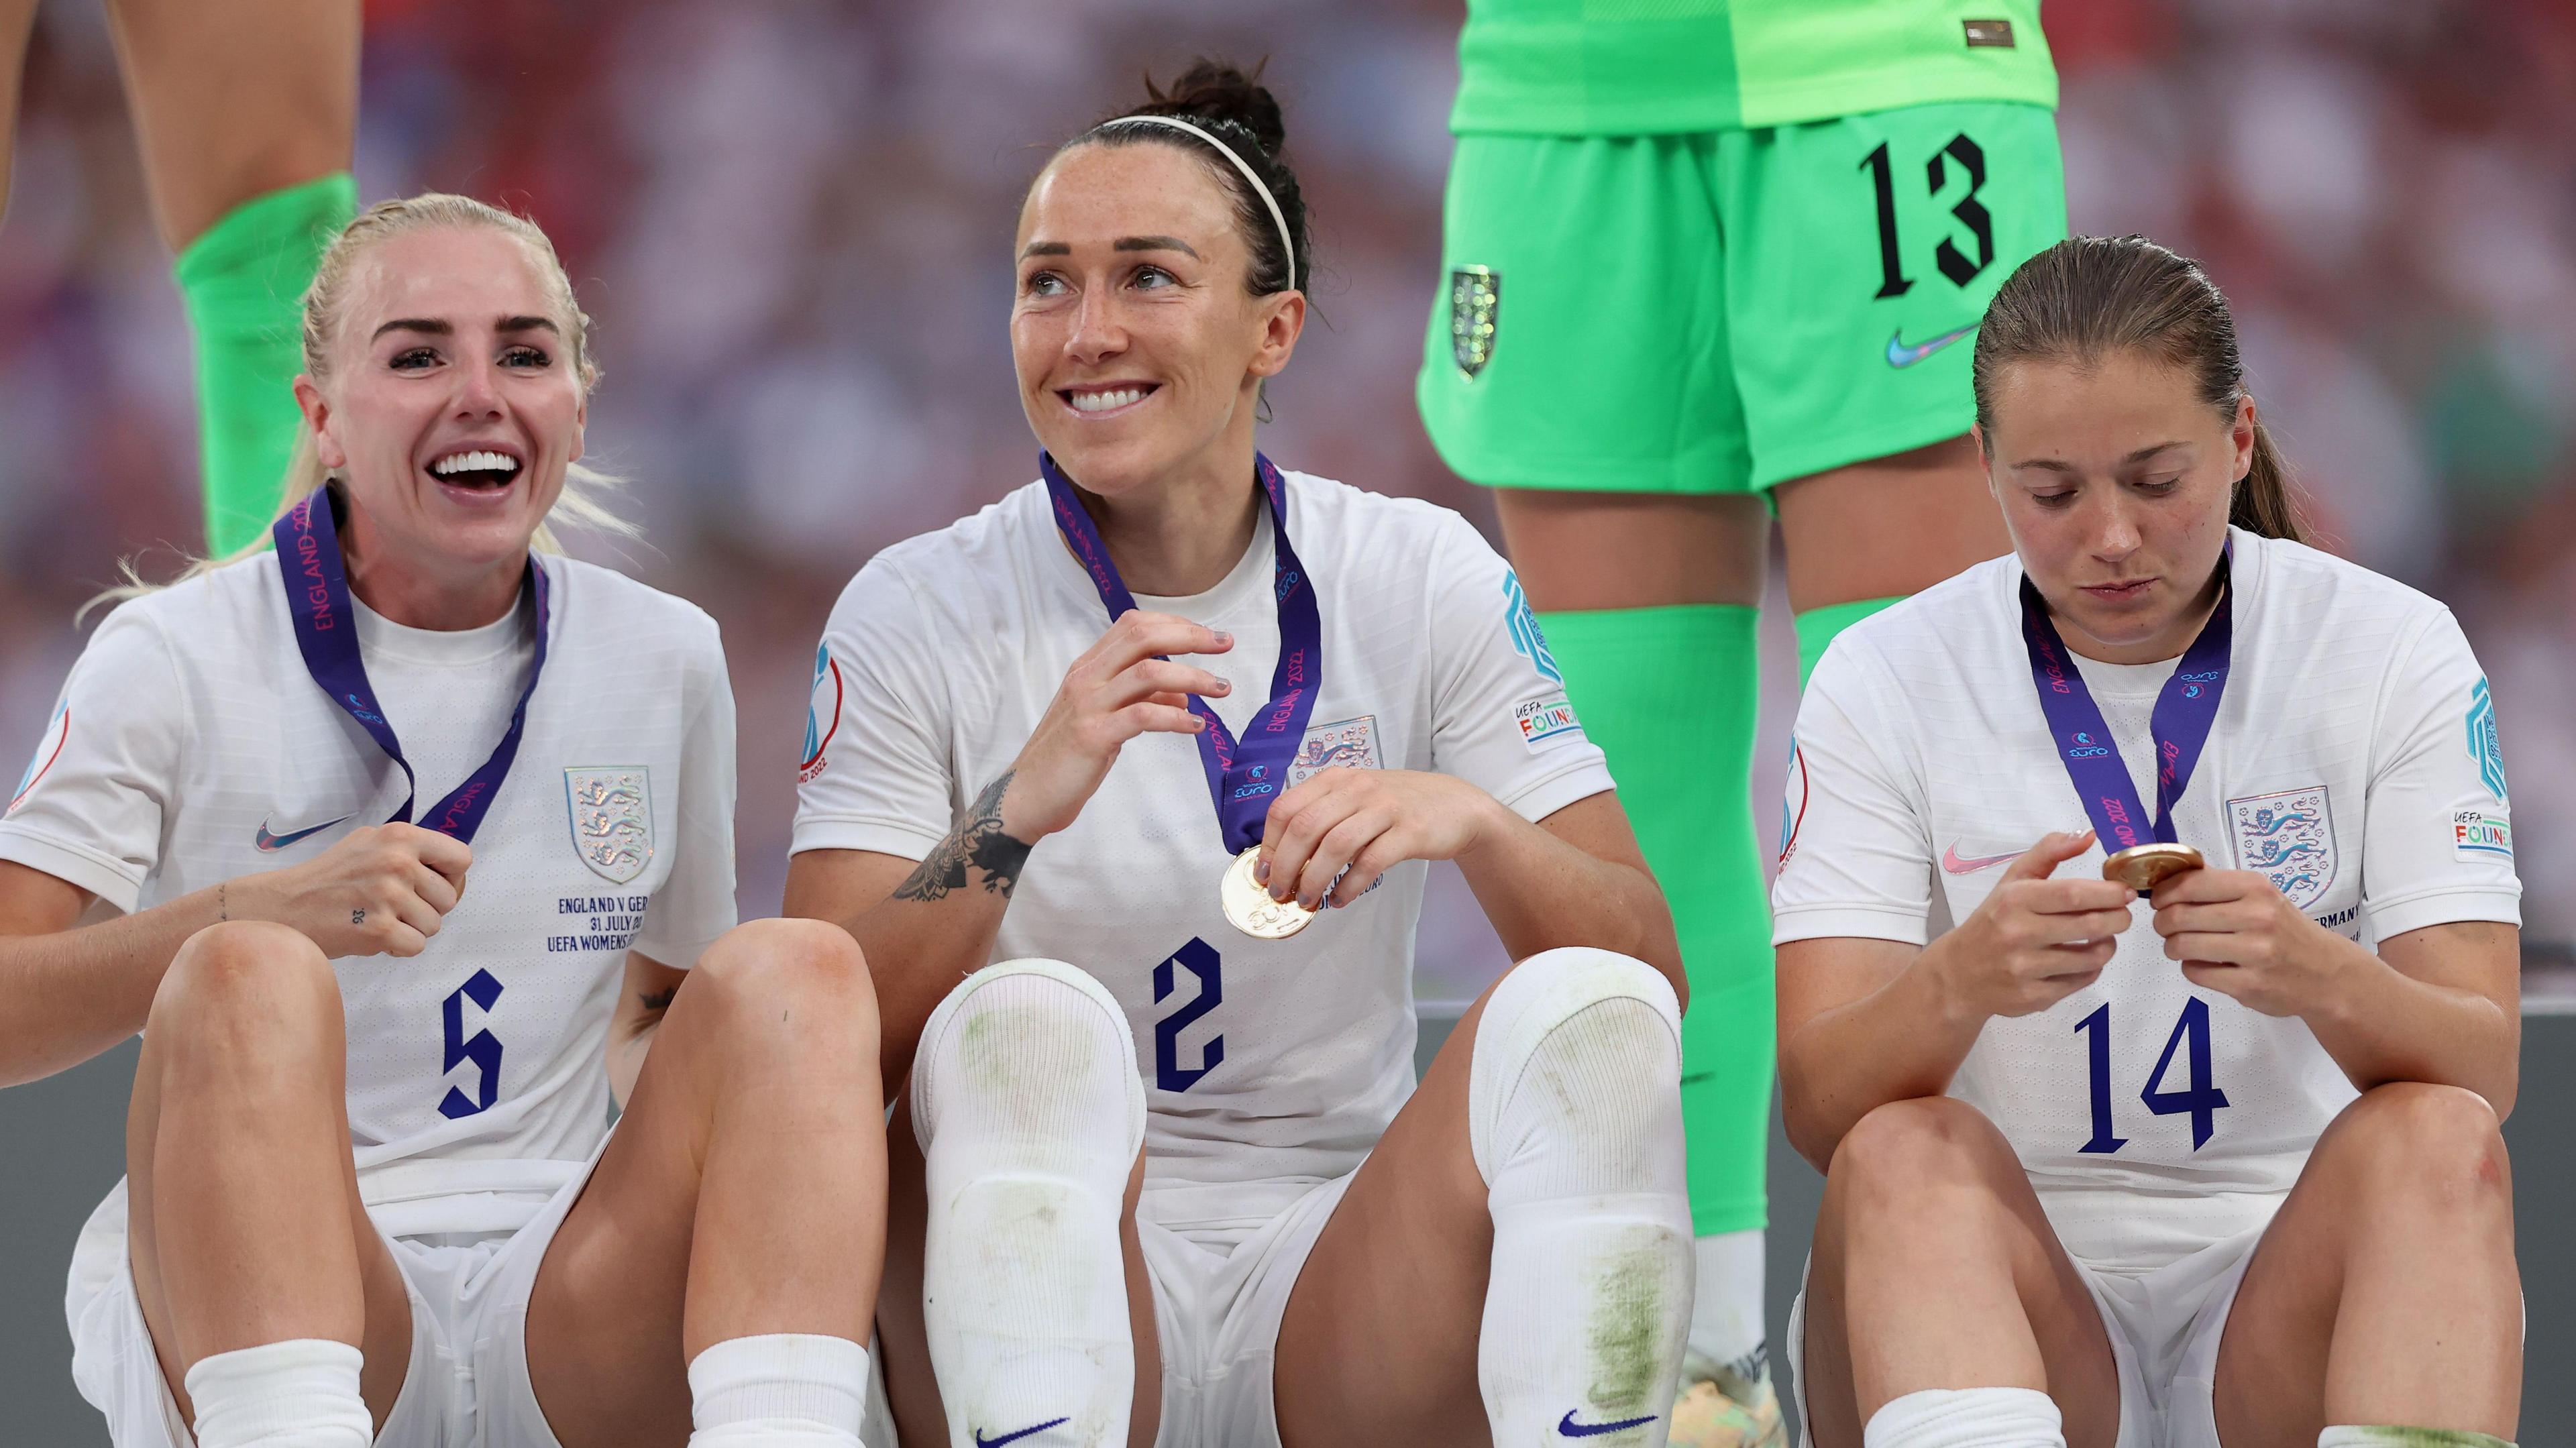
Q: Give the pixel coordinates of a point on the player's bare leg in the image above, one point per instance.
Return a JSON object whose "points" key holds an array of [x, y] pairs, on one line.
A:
{"points": [[903, 1341], [236, 100], [243, 1222], [1589, 551], [17, 28], [2385, 1291], [1650, 604], [1887, 527], [1384, 1339], [1934, 1268], [742, 1195], [247, 117]]}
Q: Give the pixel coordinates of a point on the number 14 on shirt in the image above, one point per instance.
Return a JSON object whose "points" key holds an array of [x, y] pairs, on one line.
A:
{"points": [[2201, 1099]]}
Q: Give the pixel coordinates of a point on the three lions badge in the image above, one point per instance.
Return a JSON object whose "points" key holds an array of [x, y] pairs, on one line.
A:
{"points": [[2288, 839], [612, 819]]}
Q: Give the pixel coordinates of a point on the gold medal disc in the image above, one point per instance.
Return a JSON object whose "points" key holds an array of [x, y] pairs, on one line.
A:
{"points": [[2143, 867], [1249, 908]]}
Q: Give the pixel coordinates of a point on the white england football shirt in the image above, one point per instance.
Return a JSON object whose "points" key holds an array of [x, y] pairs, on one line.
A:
{"points": [[190, 746], [2353, 762], [1262, 1059]]}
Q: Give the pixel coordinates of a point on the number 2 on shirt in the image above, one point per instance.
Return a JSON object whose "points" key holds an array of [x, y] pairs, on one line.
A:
{"points": [[2201, 1100], [1201, 960]]}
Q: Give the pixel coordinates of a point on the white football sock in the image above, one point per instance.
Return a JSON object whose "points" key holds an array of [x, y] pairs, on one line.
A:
{"points": [[1574, 1118], [778, 1390], [1030, 1114], [2350, 1436], [301, 1393], [1726, 1305], [1967, 1418]]}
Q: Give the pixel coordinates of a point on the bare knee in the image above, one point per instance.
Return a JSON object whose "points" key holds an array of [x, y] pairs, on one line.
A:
{"points": [[2438, 1148], [783, 982], [246, 998], [1895, 1161]]}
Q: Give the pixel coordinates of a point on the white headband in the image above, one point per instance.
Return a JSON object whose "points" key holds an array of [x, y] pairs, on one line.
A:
{"points": [[1281, 221]]}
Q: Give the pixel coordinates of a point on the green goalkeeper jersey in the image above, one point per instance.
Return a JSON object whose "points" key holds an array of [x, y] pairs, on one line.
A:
{"points": [[1644, 67]]}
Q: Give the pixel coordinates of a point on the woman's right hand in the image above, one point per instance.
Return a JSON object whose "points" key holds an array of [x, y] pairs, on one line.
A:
{"points": [[2035, 940], [1117, 690], [382, 890]]}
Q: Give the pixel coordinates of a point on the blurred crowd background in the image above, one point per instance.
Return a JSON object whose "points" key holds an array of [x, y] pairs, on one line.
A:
{"points": [[791, 220]]}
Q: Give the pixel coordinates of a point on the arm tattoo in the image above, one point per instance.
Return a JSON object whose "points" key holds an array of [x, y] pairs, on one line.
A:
{"points": [[657, 1001], [978, 841]]}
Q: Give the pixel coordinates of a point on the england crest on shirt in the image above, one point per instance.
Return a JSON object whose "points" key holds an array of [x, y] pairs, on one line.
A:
{"points": [[2288, 838], [612, 819], [1343, 744]]}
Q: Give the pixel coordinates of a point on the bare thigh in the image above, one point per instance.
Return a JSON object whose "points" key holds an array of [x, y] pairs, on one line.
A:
{"points": [[1587, 551], [904, 1342], [340, 1282], [738, 1196], [1889, 526], [2385, 1289], [1934, 1266], [1378, 1345], [235, 99]]}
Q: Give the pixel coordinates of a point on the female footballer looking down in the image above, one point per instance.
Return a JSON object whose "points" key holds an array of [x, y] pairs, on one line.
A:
{"points": [[549, 749], [1169, 1177], [2218, 1163]]}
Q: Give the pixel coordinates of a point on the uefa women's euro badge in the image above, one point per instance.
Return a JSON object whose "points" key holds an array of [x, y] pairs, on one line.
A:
{"points": [[612, 819]]}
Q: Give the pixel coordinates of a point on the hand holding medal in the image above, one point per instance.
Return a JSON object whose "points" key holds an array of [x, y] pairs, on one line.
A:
{"points": [[1244, 776]]}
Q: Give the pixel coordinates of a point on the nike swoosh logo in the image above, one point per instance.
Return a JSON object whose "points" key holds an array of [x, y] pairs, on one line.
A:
{"points": [[1957, 864], [273, 843], [983, 1442], [1901, 355], [1573, 1429]]}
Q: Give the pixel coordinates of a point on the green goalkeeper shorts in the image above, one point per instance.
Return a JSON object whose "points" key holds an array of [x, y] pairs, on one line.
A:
{"points": [[1724, 311]]}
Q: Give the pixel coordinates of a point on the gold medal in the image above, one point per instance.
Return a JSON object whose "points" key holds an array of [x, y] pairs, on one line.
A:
{"points": [[2143, 867], [1249, 908]]}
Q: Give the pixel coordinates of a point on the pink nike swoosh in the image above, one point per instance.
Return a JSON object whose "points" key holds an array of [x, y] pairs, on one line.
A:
{"points": [[1952, 862]]}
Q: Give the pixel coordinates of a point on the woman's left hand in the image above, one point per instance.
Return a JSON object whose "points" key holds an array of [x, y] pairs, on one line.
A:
{"points": [[2235, 933], [1356, 824]]}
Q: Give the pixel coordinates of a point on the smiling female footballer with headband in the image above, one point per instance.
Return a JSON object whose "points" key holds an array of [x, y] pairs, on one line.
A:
{"points": [[1151, 753]]}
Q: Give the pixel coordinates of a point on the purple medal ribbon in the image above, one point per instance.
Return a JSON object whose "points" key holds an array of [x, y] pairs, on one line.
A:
{"points": [[1243, 775], [317, 600], [2180, 725]]}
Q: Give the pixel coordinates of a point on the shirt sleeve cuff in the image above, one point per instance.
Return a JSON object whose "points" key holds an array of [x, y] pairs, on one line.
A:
{"points": [[2445, 908], [1826, 921], [1546, 795], [110, 880], [851, 832]]}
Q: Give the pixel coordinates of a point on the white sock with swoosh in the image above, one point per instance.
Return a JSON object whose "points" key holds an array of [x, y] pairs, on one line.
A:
{"points": [[1574, 1118], [1027, 1105]]}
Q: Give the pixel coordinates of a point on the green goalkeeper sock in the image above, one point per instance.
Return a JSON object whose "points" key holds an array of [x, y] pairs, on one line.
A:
{"points": [[244, 282], [1817, 627], [1670, 694]]}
